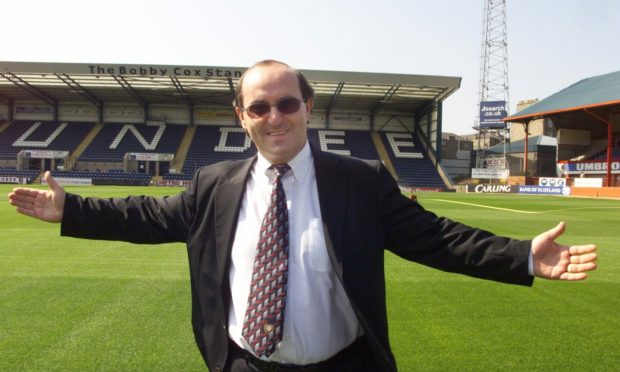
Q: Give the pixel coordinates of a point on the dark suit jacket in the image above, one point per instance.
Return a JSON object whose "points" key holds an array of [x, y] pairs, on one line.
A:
{"points": [[363, 212]]}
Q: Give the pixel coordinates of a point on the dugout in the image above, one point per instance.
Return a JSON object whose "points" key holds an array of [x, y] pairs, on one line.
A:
{"points": [[147, 163], [585, 116]]}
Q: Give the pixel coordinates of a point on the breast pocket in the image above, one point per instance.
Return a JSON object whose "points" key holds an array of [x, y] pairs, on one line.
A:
{"points": [[314, 249]]}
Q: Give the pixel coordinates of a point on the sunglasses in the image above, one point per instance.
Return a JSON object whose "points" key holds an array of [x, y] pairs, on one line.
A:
{"points": [[287, 106]]}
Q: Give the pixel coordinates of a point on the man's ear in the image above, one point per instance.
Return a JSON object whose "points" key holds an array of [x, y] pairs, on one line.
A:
{"points": [[309, 105], [239, 113]]}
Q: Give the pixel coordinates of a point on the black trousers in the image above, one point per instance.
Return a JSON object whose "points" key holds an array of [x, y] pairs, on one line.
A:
{"points": [[355, 357]]}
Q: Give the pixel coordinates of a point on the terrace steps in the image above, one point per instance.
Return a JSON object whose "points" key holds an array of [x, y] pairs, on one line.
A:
{"points": [[37, 179], [4, 126], [383, 154], [181, 154], [82, 146]]}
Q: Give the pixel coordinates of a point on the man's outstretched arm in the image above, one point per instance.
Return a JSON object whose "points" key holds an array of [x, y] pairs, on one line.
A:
{"points": [[45, 205]]}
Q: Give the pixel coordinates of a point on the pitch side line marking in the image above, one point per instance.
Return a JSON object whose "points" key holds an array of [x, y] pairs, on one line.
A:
{"points": [[517, 210], [484, 206]]}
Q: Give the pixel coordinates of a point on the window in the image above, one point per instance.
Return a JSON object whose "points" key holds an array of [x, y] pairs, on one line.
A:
{"points": [[465, 145]]}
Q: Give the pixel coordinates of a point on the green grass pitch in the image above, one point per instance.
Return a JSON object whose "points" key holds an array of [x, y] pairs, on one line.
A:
{"points": [[69, 304]]}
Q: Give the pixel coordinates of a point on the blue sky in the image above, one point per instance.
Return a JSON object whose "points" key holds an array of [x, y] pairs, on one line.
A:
{"points": [[551, 44]]}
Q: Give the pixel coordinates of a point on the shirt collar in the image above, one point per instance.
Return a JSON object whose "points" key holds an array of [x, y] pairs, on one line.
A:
{"points": [[300, 164]]}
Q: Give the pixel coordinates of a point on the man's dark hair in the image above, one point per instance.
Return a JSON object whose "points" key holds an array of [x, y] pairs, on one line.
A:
{"points": [[306, 90]]}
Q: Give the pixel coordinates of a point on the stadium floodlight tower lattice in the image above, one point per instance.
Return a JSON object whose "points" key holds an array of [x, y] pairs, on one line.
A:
{"points": [[493, 95]]}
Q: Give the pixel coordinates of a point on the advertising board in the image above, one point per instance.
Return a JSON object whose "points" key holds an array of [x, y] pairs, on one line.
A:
{"points": [[551, 181], [490, 173], [544, 190], [489, 188], [492, 113]]}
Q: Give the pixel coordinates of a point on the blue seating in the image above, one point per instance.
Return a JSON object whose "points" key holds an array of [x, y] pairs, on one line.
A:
{"points": [[110, 178], [127, 141], [211, 145], [208, 147], [356, 143], [411, 162], [68, 137], [29, 175], [615, 154], [177, 177]]}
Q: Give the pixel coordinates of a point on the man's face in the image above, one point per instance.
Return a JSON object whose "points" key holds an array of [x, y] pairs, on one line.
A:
{"points": [[278, 136]]}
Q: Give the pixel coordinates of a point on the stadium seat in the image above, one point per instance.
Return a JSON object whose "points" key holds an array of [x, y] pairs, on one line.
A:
{"points": [[412, 164], [32, 135], [112, 142]]}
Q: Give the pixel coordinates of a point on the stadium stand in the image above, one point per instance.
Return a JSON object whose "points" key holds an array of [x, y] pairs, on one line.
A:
{"points": [[413, 166], [117, 177], [354, 143], [197, 99], [615, 154], [115, 140], [23, 135], [213, 144], [210, 144], [22, 176]]}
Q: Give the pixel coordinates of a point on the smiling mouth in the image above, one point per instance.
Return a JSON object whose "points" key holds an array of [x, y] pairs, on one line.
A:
{"points": [[278, 132]]}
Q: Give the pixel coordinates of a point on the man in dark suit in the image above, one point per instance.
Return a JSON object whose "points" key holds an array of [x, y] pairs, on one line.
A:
{"points": [[342, 214]]}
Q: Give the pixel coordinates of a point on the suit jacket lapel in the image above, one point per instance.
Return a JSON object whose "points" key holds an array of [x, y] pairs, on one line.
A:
{"points": [[332, 185], [228, 197]]}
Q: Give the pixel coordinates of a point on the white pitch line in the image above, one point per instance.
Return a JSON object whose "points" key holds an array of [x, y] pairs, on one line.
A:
{"points": [[520, 211], [484, 206]]}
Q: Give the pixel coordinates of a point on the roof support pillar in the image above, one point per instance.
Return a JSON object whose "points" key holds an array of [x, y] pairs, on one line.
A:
{"points": [[231, 86], [438, 133], [332, 102], [525, 148], [181, 91], [372, 121], [11, 105], [386, 98], [610, 134]]}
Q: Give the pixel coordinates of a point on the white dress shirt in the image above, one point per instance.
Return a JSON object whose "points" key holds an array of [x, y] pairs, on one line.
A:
{"points": [[318, 320]]}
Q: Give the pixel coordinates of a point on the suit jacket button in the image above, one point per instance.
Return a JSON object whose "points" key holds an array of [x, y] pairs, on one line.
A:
{"points": [[217, 369]]}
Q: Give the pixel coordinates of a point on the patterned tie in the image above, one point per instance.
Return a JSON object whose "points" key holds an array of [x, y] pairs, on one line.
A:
{"points": [[264, 317]]}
